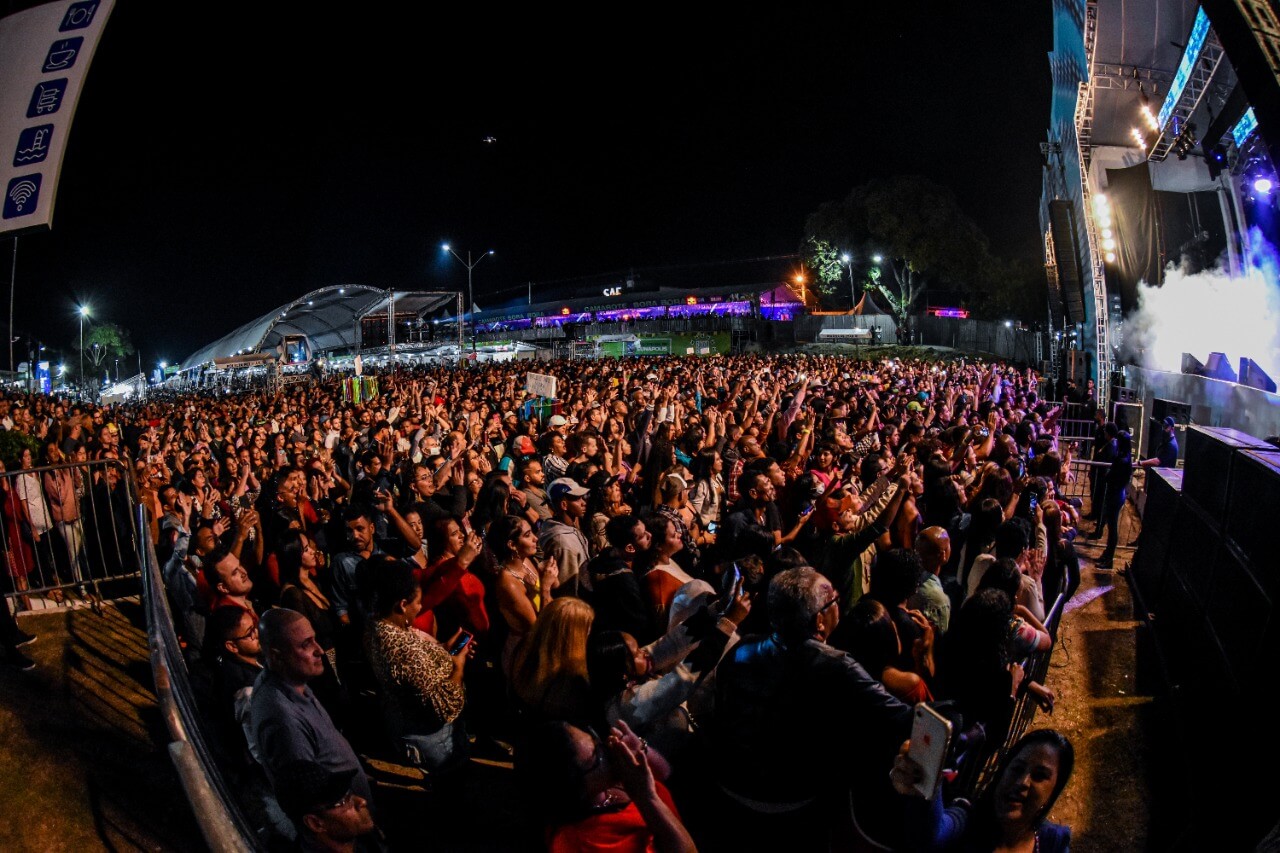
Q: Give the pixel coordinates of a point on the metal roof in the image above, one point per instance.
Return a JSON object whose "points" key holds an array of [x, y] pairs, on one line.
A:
{"points": [[328, 317]]}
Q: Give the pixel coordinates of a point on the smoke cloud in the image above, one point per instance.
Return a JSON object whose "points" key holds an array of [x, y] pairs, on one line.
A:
{"points": [[1209, 312]]}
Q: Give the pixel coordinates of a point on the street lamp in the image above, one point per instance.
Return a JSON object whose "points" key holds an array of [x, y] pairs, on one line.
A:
{"points": [[470, 265], [84, 312], [847, 260]]}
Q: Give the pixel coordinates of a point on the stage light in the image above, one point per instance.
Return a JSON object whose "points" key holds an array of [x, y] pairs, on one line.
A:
{"points": [[1263, 185], [1111, 257], [1109, 244], [1107, 234]]}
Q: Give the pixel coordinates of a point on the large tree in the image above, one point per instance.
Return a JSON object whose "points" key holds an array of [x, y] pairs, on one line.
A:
{"points": [[918, 229], [103, 343]]}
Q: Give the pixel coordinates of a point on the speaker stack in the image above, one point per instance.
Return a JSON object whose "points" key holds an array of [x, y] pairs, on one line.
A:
{"points": [[1205, 568]]}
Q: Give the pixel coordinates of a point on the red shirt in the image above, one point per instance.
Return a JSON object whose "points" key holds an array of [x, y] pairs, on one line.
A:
{"points": [[623, 831]]}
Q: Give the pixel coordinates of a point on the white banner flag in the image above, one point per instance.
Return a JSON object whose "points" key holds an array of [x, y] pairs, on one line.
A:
{"points": [[44, 55]]}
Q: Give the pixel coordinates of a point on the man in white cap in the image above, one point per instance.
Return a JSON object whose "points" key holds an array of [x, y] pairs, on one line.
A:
{"points": [[561, 536]]}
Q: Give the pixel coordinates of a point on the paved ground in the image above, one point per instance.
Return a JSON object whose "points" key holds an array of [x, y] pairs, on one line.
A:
{"points": [[82, 762]]}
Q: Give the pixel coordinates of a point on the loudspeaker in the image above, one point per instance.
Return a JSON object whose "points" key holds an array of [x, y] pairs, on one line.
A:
{"points": [[1238, 611], [1077, 367], [1131, 415], [1066, 251], [1192, 365], [1251, 514], [1208, 464], [1164, 492], [1219, 367], [1255, 377], [1193, 542]]}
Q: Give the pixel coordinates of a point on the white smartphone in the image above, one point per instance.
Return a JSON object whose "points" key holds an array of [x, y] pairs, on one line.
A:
{"points": [[930, 740]]}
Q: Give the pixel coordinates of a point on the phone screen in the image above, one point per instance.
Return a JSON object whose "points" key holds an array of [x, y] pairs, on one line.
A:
{"points": [[930, 740], [464, 639]]}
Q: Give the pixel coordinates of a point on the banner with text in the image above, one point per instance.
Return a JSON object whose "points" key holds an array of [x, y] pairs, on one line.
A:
{"points": [[44, 55], [540, 385]]}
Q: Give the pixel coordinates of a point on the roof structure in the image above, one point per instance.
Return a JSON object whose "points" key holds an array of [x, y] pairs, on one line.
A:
{"points": [[329, 317]]}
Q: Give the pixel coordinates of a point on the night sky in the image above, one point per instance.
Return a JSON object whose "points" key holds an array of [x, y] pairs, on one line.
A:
{"points": [[226, 158]]}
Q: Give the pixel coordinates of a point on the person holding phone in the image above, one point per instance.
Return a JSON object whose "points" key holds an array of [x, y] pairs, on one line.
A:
{"points": [[1012, 813], [420, 678]]}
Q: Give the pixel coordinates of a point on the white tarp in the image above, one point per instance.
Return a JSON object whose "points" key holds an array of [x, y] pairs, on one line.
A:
{"points": [[44, 55]]}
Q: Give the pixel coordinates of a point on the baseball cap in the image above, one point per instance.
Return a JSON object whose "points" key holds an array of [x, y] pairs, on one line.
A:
{"points": [[1169, 421], [563, 487], [601, 480], [557, 421]]}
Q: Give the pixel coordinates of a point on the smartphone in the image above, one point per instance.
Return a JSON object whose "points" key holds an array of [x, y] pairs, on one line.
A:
{"points": [[930, 741], [464, 640], [712, 527], [731, 580]]}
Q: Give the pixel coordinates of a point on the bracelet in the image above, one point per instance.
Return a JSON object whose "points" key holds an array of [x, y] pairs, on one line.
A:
{"points": [[644, 745]]}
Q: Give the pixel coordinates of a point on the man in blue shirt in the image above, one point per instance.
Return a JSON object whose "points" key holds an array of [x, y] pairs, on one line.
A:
{"points": [[1167, 453]]}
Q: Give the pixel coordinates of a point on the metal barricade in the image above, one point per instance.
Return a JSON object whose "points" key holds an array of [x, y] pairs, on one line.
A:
{"points": [[66, 530], [221, 821], [979, 773]]}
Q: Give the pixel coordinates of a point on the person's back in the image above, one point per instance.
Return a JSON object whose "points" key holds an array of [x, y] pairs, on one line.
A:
{"points": [[799, 723], [787, 713]]}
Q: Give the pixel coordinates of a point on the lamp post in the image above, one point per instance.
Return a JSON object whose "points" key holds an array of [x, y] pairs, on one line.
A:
{"points": [[470, 265], [853, 291], [84, 312]]}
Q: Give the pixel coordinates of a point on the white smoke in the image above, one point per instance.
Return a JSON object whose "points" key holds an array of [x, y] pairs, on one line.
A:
{"points": [[1209, 312]]}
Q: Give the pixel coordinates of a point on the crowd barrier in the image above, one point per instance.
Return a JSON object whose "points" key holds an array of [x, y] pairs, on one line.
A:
{"points": [[216, 809], [67, 530]]}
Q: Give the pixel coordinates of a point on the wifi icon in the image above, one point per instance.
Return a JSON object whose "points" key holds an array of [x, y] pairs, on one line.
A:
{"points": [[22, 196]]}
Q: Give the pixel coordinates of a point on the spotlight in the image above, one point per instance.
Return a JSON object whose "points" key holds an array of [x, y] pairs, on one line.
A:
{"points": [[1108, 244], [1263, 185], [1111, 257]]}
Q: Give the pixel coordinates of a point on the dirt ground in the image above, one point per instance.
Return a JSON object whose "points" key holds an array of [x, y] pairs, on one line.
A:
{"points": [[82, 761]]}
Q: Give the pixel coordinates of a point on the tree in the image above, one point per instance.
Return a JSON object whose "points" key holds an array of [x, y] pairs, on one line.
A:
{"points": [[916, 226], [103, 342], [822, 258]]}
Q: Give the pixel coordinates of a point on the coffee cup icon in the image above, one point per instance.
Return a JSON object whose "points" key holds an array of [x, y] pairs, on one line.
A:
{"points": [[59, 59]]}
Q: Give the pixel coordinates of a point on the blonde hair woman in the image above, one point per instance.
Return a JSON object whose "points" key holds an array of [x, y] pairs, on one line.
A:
{"points": [[549, 676]]}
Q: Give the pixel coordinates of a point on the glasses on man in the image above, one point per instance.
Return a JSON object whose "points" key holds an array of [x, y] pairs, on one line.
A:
{"points": [[252, 632], [340, 804], [835, 599]]}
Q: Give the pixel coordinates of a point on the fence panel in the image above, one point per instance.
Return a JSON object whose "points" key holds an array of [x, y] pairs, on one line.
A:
{"points": [[66, 530]]}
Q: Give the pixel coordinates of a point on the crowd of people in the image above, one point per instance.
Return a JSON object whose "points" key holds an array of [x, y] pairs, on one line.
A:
{"points": [[694, 600]]}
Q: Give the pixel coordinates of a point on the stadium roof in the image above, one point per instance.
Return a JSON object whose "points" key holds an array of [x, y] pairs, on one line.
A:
{"points": [[328, 317]]}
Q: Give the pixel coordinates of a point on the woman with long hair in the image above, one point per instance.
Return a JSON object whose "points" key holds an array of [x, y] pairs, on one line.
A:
{"points": [[522, 588], [549, 676], [452, 596], [604, 502], [706, 498], [1013, 812], [662, 576], [420, 679]]}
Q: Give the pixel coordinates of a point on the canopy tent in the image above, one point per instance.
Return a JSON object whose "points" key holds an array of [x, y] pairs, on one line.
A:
{"points": [[867, 307], [329, 317]]}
